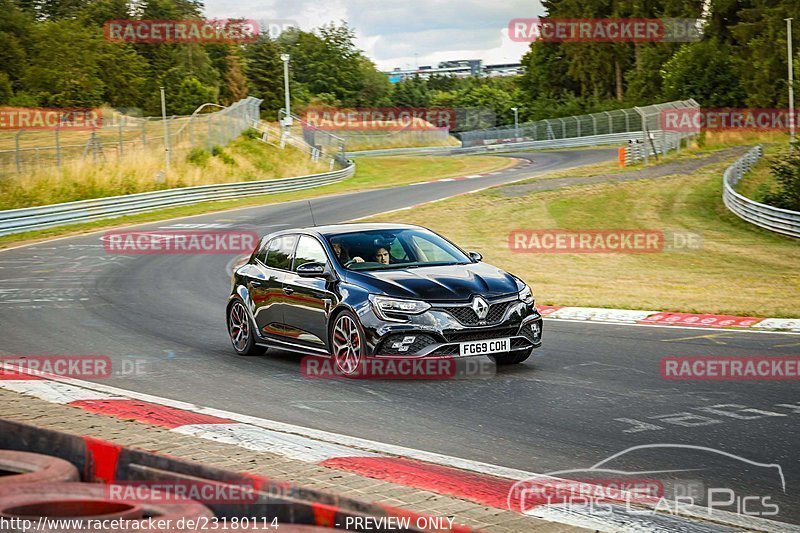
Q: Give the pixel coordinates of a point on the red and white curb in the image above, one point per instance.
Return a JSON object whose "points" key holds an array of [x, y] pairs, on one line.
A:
{"points": [[478, 482], [659, 318]]}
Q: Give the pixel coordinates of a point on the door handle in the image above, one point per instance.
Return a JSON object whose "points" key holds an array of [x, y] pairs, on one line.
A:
{"points": [[288, 291]]}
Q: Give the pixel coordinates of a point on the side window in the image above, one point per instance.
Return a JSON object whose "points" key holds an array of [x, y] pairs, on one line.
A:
{"points": [[262, 252], [309, 250], [280, 250]]}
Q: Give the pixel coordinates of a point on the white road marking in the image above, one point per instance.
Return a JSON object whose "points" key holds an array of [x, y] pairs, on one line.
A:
{"points": [[54, 391], [264, 440]]}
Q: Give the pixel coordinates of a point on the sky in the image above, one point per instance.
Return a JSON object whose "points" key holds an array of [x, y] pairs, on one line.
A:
{"points": [[402, 33]]}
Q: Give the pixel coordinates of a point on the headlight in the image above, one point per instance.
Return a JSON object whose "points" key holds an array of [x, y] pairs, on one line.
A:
{"points": [[397, 306], [526, 295]]}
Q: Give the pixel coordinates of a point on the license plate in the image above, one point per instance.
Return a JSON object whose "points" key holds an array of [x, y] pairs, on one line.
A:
{"points": [[485, 347]]}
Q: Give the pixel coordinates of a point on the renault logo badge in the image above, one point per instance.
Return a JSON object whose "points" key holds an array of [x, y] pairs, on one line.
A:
{"points": [[480, 307]]}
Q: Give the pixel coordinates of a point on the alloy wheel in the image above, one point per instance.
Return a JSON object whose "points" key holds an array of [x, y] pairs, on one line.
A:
{"points": [[239, 327], [346, 344]]}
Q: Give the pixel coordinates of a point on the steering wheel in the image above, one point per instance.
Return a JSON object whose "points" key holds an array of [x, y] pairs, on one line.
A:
{"points": [[349, 262]]}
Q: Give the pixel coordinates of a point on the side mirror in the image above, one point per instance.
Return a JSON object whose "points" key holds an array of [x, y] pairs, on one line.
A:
{"points": [[475, 256], [312, 270]]}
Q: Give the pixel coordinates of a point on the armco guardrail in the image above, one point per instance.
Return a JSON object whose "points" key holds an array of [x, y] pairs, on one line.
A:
{"points": [[572, 142], [766, 216], [48, 216]]}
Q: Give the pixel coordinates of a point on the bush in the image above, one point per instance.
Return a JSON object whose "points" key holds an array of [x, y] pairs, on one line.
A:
{"points": [[198, 156], [251, 134], [786, 170], [217, 151]]}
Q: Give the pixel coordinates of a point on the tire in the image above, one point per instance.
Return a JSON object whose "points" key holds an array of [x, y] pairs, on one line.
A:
{"points": [[512, 358], [87, 501], [242, 331], [347, 356], [34, 468]]}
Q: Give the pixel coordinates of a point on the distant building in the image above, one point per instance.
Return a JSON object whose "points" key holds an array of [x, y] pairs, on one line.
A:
{"points": [[462, 68]]}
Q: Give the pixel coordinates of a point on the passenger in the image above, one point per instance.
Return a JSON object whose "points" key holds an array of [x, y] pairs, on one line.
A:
{"points": [[342, 255]]}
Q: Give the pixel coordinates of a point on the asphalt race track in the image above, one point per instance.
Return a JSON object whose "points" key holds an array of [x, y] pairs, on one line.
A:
{"points": [[592, 391]]}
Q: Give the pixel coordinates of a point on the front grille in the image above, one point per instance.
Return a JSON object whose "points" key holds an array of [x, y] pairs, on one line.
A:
{"points": [[529, 334], [519, 343], [448, 349], [467, 316], [479, 335], [420, 342]]}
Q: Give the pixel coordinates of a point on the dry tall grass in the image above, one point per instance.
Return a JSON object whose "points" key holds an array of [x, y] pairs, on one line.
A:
{"points": [[243, 160]]}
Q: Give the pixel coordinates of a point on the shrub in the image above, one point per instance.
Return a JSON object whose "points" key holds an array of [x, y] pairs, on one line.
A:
{"points": [[786, 170], [217, 151], [198, 156]]}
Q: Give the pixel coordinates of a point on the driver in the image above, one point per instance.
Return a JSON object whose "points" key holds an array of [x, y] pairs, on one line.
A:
{"points": [[382, 256]]}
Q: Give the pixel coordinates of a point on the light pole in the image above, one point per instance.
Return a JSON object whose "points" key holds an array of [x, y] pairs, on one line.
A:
{"points": [[166, 129], [288, 118], [516, 121], [791, 83]]}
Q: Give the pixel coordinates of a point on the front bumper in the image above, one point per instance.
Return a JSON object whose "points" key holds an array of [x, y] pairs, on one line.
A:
{"points": [[439, 331]]}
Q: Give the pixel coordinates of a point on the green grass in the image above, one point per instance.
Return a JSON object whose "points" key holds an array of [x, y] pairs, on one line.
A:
{"points": [[371, 172], [740, 269]]}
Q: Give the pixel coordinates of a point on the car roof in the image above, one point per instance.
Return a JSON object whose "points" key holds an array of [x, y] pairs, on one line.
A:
{"points": [[342, 229]]}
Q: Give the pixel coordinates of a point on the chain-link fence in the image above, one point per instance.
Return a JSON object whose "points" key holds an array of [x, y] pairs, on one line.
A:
{"points": [[326, 144], [122, 135], [641, 121]]}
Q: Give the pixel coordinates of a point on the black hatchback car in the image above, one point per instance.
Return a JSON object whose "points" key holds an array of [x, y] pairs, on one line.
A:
{"points": [[356, 291]]}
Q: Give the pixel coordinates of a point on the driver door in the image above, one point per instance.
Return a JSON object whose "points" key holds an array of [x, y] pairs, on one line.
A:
{"points": [[309, 300]]}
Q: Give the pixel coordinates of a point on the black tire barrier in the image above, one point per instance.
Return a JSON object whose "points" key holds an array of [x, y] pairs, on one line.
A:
{"points": [[24, 467], [88, 502]]}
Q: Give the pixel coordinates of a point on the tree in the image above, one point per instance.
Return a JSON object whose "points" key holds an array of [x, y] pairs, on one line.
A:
{"points": [[234, 82], [704, 71], [67, 75], [264, 70], [190, 94], [761, 32], [411, 92]]}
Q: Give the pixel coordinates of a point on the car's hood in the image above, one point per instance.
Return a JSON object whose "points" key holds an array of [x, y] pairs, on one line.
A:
{"points": [[439, 283]]}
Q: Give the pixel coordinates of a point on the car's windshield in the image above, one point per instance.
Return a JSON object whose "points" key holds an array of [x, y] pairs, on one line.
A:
{"points": [[397, 248]]}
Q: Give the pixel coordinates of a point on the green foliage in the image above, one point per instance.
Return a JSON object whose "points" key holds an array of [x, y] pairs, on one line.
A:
{"points": [[53, 53], [219, 152], [264, 70], [706, 72], [787, 172], [251, 134], [5, 88], [198, 156]]}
